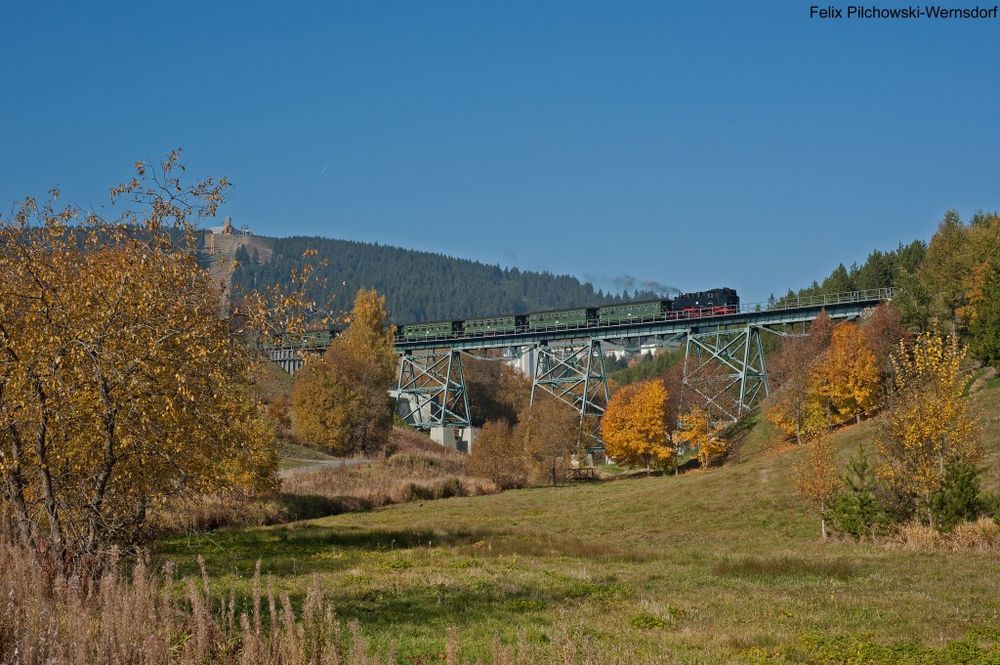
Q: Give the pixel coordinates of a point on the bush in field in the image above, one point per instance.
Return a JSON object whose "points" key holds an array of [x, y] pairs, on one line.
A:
{"points": [[499, 455], [816, 478], [928, 422], [549, 430]]}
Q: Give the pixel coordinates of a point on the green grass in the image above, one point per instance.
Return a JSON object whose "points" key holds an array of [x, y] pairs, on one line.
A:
{"points": [[724, 565], [296, 452]]}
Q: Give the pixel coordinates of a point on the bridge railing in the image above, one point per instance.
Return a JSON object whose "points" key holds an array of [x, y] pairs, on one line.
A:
{"points": [[866, 295]]}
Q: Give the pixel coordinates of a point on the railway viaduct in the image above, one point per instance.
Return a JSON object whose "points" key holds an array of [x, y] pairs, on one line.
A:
{"points": [[724, 367]]}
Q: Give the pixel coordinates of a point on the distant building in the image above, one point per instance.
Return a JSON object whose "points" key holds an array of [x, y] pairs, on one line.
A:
{"points": [[227, 229]]}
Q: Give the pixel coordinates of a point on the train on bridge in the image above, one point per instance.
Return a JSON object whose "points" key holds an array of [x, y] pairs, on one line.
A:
{"points": [[714, 302]]}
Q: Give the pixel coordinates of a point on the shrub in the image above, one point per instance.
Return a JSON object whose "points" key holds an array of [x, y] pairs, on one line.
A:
{"points": [[498, 455]]}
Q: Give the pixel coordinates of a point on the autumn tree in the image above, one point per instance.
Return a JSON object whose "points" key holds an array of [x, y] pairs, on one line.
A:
{"points": [[816, 477], [984, 312], [341, 401], [846, 377], [794, 408], [499, 455], [883, 331], [941, 291], [927, 423], [549, 431], [697, 431], [497, 391], [634, 426], [121, 385]]}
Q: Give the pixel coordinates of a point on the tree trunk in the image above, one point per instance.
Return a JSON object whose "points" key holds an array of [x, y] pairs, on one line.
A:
{"points": [[822, 528], [48, 491]]}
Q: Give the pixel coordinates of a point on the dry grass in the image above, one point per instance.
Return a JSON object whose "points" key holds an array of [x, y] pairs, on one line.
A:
{"points": [[144, 618], [413, 468], [983, 535], [210, 512]]}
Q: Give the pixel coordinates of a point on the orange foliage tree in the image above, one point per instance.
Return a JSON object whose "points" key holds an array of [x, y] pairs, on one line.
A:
{"points": [[634, 426], [794, 407], [846, 377]]}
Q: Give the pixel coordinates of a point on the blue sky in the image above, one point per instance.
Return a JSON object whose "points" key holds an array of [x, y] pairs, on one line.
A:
{"points": [[695, 144]]}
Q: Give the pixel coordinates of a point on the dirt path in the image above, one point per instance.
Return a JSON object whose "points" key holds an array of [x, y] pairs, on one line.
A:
{"points": [[315, 464]]}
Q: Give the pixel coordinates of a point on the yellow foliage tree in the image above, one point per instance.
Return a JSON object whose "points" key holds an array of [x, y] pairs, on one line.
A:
{"points": [[796, 415], [341, 402], [927, 422], [846, 380], [634, 426], [121, 384], [816, 477], [697, 431]]}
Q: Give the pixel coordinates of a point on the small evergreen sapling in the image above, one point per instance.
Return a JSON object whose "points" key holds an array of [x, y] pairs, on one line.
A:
{"points": [[855, 509], [959, 498]]}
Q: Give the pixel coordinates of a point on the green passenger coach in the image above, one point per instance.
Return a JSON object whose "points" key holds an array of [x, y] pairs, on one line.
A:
{"points": [[625, 312], [560, 318], [428, 330], [490, 325]]}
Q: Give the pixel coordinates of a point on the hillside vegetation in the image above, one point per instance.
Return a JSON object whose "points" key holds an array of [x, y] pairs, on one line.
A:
{"points": [[418, 286], [715, 566]]}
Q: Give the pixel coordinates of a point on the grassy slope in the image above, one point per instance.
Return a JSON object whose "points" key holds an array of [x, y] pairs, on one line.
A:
{"points": [[710, 566]]}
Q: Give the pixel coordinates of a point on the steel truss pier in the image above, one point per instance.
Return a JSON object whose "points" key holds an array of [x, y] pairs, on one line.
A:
{"points": [[724, 371], [431, 390], [574, 374]]}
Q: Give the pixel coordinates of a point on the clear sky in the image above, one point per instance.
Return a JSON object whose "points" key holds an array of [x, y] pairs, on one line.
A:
{"points": [[696, 144]]}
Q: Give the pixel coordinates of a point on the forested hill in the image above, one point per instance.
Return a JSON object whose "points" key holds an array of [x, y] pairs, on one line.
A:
{"points": [[418, 286]]}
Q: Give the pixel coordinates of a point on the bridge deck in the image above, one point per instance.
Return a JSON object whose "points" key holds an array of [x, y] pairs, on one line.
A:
{"points": [[797, 311]]}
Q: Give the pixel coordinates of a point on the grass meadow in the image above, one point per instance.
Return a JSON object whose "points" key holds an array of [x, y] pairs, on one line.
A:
{"points": [[724, 565]]}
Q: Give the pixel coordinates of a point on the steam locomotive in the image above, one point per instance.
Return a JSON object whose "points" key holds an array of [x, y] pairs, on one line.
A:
{"points": [[715, 302]]}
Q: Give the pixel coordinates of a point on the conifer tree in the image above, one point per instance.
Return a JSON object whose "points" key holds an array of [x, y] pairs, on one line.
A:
{"points": [[959, 498], [855, 509], [984, 300]]}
